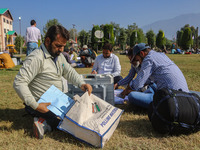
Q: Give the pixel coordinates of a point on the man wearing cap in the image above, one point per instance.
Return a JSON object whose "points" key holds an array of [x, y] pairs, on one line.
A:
{"points": [[157, 68], [32, 37], [87, 56], [132, 73]]}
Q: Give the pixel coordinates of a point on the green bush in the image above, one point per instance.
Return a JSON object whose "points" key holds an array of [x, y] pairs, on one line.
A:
{"points": [[109, 34], [186, 41], [160, 39]]}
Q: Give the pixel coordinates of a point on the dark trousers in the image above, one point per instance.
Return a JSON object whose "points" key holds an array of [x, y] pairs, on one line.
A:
{"points": [[117, 79], [50, 117]]}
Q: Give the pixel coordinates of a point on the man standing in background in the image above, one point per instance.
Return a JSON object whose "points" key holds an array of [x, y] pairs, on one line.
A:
{"points": [[32, 36]]}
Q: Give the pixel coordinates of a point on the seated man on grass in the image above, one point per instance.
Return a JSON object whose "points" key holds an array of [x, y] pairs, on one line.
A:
{"points": [[67, 57], [157, 68], [107, 63], [73, 56], [87, 56], [44, 67]]}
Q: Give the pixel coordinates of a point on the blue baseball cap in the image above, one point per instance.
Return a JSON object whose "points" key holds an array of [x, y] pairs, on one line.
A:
{"points": [[139, 47]]}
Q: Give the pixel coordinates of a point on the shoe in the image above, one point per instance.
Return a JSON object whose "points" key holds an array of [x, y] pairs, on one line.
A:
{"points": [[40, 127]]}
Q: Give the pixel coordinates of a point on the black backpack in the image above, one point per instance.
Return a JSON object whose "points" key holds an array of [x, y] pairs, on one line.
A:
{"points": [[174, 111]]}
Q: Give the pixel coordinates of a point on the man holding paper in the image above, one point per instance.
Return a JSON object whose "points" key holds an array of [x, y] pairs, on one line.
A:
{"points": [[42, 68]]}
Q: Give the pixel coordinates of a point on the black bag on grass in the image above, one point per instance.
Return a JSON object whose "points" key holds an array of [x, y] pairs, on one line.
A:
{"points": [[173, 110]]}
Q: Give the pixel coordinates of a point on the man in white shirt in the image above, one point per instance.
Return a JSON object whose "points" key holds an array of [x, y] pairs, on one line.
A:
{"points": [[107, 63], [32, 37]]}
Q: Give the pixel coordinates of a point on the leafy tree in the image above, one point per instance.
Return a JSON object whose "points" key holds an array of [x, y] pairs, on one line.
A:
{"points": [[187, 41], [196, 38], [83, 38], [198, 41], [116, 32], [140, 36], [89, 40], [193, 30], [129, 31], [122, 38], [160, 39], [102, 26], [108, 34], [133, 38], [42, 39], [73, 33], [49, 24], [194, 35], [168, 43], [150, 38], [179, 37], [186, 25], [95, 42], [137, 36], [19, 39]]}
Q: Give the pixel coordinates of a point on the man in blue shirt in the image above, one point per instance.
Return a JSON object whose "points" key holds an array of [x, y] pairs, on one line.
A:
{"points": [[132, 73], [157, 68], [107, 63]]}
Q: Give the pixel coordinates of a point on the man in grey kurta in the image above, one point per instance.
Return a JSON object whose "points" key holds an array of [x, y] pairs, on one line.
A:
{"points": [[41, 69]]}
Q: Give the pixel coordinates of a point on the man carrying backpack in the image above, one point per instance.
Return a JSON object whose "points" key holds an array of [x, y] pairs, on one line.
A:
{"points": [[157, 68]]}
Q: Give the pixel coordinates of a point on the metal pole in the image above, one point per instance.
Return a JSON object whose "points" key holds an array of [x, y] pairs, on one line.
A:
{"points": [[197, 42], [20, 35]]}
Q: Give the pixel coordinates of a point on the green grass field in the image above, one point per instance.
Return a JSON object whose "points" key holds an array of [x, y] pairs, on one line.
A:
{"points": [[133, 132]]}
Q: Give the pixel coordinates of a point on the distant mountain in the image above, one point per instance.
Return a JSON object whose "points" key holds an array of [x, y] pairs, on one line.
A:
{"points": [[171, 26]]}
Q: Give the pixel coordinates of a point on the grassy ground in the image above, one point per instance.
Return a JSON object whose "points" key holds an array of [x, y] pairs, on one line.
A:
{"points": [[134, 130]]}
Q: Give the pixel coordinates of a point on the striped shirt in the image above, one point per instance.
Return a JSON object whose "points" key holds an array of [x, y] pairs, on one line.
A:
{"points": [[158, 68], [129, 77]]}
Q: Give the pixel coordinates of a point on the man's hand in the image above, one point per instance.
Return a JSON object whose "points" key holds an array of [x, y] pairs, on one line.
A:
{"points": [[93, 72], [87, 87], [42, 107], [126, 91], [115, 86]]}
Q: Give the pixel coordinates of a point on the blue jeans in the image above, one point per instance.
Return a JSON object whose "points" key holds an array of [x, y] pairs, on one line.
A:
{"points": [[143, 99], [31, 47]]}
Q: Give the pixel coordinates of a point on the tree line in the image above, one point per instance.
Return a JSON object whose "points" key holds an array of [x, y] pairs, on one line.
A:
{"points": [[121, 38]]}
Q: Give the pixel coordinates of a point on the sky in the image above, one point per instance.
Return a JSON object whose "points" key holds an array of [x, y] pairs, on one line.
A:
{"points": [[85, 13]]}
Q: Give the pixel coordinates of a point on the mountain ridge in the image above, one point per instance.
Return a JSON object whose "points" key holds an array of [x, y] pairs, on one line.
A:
{"points": [[171, 26]]}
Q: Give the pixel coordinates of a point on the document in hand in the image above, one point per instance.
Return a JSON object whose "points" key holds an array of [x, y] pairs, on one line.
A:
{"points": [[60, 102], [91, 119]]}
